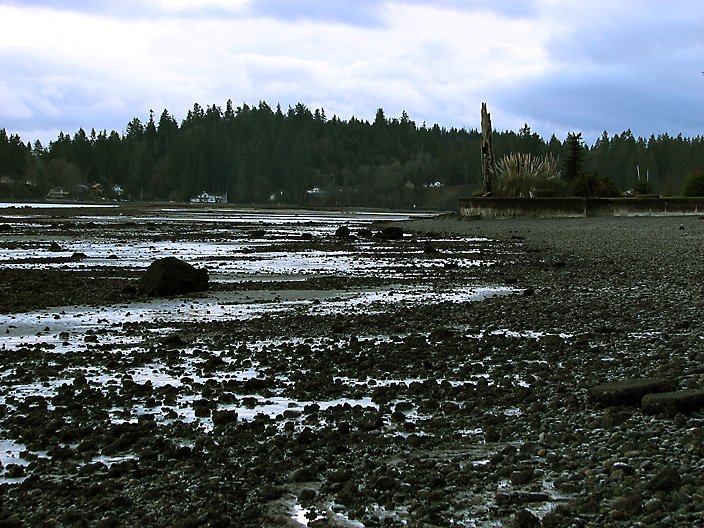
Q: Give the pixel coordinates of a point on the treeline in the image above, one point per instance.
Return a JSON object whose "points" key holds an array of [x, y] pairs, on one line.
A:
{"points": [[257, 154]]}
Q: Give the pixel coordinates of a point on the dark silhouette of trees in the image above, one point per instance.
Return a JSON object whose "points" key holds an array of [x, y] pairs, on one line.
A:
{"points": [[260, 154]]}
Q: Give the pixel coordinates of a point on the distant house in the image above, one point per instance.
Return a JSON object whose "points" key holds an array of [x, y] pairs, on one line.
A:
{"points": [[204, 197], [57, 193]]}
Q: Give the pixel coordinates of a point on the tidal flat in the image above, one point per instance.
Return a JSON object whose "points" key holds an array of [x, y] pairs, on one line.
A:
{"points": [[347, 368]]}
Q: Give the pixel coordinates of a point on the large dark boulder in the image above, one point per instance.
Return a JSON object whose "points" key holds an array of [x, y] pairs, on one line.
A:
{"points": [[171, 276]]}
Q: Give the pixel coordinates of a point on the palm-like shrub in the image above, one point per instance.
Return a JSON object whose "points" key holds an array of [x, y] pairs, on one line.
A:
{"points": [[525, 175]]}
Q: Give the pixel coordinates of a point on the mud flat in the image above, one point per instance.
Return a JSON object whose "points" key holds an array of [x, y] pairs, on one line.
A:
{"points": [[437, 378]]}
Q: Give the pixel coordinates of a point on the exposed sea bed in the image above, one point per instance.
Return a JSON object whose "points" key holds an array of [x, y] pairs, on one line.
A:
{"points": [[438, 379]]}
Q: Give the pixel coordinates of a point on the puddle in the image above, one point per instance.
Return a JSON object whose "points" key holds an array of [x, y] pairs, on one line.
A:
{"points": [[56, 327]]}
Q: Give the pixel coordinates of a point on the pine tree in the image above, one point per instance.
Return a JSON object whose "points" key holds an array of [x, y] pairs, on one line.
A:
{"points": [[575, 155]]}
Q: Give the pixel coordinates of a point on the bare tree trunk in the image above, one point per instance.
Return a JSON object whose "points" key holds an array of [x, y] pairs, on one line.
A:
{"points": [[488, 160]]}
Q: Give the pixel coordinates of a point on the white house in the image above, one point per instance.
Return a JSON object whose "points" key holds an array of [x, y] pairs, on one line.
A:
{"points": [[204, 197], [57, 193]]}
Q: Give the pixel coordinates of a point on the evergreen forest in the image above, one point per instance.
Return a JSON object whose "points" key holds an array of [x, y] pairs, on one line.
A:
{"points": [[258, 154]]}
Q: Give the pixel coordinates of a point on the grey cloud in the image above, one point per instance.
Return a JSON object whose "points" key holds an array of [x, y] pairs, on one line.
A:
{"points": [[592, 104], [372, 12], [115, 8], [55, 97], [646, 31], [637, 69], [354, 12], [363, 13]]}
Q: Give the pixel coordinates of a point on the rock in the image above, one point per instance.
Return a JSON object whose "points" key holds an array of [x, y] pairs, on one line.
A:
{"points": [[339, 475], [671, 403], [404, 407], [390, 233], [171, 276], [385, 483], [342, 232], [224, 417], [666, 479], [173, 340], [370, 420], [519, 478], [525, 519], [440, 334], [653, 505], [414, 440], [303, 474], [15, 471], [269, 492], [307, 496], [627, 505], [614, 419], [521, 498], [628, 392], [201, 409]]}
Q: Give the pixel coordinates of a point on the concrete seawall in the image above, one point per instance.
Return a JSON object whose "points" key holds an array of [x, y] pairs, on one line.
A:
{"points": [[578, 207]]}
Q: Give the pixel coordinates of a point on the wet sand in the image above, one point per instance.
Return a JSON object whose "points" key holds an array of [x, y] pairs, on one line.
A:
{"points": [[343, 400]]}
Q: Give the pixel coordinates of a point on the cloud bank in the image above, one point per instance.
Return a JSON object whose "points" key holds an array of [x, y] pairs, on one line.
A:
{"points": [[558, 66]]}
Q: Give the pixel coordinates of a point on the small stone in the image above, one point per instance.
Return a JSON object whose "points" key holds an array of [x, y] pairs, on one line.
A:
{"points": [[653, 505], [627, 505], [525, 519], [269, 492], [665, 480], [307, 495], [519, 478], [303, 474], [339, 475], [224, 417], [370, 420]]}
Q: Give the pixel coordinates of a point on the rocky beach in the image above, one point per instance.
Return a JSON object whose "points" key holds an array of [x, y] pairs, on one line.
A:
{"points": [[351, 370]]}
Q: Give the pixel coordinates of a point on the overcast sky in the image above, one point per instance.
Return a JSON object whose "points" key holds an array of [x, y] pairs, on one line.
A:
{"points": [[559, 65]]}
